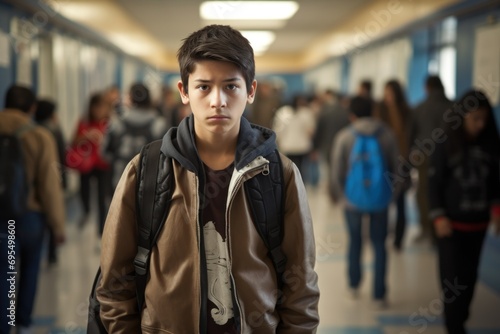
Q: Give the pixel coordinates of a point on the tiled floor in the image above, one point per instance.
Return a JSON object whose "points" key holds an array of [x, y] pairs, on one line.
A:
{"points": [[412, 280]]}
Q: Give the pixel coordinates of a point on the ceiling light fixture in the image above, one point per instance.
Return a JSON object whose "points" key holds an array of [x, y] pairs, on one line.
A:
{"points": [[248, 10], [259, 39]]}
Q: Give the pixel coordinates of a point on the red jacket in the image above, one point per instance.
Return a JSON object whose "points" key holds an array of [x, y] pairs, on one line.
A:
{"points": [[85, 153]]}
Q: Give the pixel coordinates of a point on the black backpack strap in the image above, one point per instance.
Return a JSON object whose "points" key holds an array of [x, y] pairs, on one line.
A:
{"points": [[94, 322], [266, 198], [154, 192]]}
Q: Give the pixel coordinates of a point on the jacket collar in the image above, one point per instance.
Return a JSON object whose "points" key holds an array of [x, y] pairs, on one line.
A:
{"points": [[253, 141], [18, 113]]}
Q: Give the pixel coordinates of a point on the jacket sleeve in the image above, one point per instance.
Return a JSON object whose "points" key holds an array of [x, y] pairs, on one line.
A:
{"points": [[116, 291], [299, 309], [48, 182], [436, 182]]}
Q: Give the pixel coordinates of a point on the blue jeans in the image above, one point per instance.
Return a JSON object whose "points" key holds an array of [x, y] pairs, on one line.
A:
{"points": [[29, 233], [378, 234]]}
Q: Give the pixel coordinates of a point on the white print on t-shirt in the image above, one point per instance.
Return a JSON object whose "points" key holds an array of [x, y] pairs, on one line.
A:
{"points": [[219, 287]]}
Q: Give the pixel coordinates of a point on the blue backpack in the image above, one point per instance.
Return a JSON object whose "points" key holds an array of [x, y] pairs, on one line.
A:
{"points": [[366, 185]]}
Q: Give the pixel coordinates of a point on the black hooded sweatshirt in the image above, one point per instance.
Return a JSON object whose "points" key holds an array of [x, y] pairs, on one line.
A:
{"points": [[464, 185]]}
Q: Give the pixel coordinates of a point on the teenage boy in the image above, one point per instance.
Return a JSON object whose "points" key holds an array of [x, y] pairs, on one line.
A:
{"points": [[366, 150], [209, 271]]}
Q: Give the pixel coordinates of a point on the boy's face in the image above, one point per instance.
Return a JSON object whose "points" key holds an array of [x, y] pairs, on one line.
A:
{"points": [[218, 95]]}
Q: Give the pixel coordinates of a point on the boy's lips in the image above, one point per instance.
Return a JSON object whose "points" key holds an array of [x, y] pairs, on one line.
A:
{"points": [[218, 117]]}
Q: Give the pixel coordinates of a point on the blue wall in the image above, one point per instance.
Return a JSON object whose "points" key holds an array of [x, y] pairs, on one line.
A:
{"points": [[418, 66], [294, 83], [7, 74], [465, 51]]}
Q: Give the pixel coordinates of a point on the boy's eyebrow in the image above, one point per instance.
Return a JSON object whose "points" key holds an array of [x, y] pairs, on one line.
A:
{"points": [[225, 80]]}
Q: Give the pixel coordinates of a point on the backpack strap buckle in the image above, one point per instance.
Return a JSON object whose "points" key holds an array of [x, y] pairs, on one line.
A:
{"points": [[140, 261]]}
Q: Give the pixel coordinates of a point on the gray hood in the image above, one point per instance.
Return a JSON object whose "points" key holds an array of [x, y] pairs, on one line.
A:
{"points": [[367, 125], [344, 143]]}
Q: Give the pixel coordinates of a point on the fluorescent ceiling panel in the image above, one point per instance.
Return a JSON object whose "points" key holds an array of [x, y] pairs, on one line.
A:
{"points": [[248, 10], [260, 40]]}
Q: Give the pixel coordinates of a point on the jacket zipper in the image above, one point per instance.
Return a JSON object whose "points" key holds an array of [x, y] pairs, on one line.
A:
{"points": [[203, 259], [235, 185]]}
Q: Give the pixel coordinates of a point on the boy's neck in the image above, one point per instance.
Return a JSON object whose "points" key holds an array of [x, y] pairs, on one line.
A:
{"points": [[217, 152]]}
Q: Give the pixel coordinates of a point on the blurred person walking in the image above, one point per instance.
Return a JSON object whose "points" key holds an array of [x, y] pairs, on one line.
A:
{"points": [[45, 205], [396, 113], [332, 118], [365, 89], [46, 116], [169, 106], [427, 117], [267, 102], [363, 154], [126, 135], [85, 157], [464, 194], [294, 126]]}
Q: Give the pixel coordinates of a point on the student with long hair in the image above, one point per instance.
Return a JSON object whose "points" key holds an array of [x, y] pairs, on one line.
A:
{"points": [[86, 147], [396, 113], [464, 195]]}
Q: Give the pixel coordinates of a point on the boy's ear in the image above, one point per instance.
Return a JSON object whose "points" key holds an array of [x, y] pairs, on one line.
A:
{"points": [[251, 92], [183, 92]]}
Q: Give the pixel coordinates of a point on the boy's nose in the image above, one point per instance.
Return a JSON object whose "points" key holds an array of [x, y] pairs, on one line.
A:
{"points": [[218, 99]]}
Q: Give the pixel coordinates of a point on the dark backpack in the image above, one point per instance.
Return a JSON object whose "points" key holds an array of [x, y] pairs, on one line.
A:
{"points": [[367, 187], [154, 192], [14, 185]]}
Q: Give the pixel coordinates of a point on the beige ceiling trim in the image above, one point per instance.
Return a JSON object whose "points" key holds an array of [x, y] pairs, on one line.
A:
{"points": [[109, 19], [373, 22], [277, 63]]}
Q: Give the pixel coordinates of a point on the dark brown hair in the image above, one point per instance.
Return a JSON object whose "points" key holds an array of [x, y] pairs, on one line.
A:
{"points": [[220, 43]]}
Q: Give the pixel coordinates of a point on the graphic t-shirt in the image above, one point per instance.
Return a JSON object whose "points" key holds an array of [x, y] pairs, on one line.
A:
{"points": [[220, 313]]}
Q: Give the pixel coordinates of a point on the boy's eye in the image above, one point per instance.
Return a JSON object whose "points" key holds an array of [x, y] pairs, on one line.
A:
{"points": [[202, 87], [232, 86]]}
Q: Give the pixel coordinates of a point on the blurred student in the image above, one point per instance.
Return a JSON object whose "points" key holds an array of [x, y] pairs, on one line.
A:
{"points": [[365, 89], [46, 116], [45, 205], [267, 102], [139, 125], [85, 157], [294, 125], [427, 117], [364, 154], [113, 98], [169, 106], [396, 113], [331, 119], [464, 194]]}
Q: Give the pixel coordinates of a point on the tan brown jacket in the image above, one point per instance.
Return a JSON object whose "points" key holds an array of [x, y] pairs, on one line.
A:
{"points": [[42, 167], [173, 298]]}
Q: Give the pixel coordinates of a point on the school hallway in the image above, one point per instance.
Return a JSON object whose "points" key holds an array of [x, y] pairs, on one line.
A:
{"points": [[413, 293]]}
